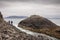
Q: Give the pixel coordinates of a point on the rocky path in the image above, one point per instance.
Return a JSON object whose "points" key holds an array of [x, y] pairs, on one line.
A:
{"points": [[45, 37]]}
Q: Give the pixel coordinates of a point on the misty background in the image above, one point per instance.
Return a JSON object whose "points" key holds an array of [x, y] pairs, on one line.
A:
{"points": [[46, 8]]}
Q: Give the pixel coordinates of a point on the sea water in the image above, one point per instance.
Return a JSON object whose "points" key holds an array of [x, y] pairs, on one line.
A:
{"points": [[17, 20], [56, 21]]}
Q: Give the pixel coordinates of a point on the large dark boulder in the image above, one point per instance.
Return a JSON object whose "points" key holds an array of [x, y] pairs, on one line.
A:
{"points": [[36, 21]]}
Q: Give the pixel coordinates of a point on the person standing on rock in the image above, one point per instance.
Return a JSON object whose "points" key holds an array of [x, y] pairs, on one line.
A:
{"points": [[11, 22]]}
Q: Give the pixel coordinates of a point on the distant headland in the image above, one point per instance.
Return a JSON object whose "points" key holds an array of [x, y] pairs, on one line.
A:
{"points": [[16, 17]]}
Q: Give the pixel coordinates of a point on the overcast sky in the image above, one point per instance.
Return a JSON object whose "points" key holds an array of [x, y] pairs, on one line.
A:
{"points": [[47, 8]]}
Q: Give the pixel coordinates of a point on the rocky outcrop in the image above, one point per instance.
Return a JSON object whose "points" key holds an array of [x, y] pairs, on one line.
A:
{"points": [[40, 24], [36, 21], [9, 32], [1, 17]]}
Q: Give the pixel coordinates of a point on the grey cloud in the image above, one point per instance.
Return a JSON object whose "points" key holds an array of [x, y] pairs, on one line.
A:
{"points": [[52, 10], [1, 5], [38, 1]]}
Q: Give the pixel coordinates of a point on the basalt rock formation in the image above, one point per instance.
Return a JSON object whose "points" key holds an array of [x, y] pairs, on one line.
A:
{"points": [[40, 24]]}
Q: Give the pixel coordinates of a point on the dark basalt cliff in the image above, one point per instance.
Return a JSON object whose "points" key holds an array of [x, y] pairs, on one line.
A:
{"points": [[40, 24]]}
